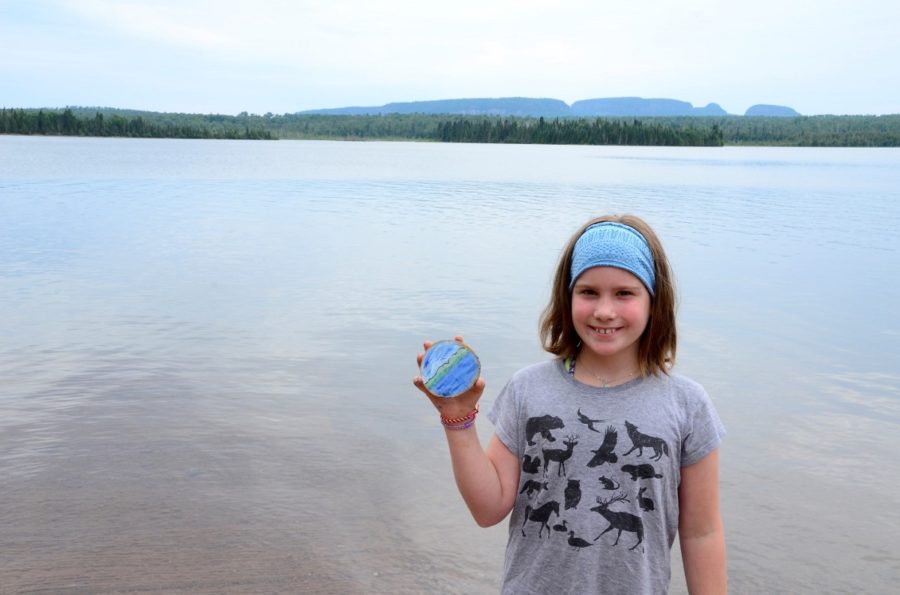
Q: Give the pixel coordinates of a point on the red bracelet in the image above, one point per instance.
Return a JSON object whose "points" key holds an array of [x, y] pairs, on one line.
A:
{"points": [[463, 426], [459, 420]]}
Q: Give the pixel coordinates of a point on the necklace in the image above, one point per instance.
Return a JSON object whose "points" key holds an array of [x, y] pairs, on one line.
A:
{"points": [[603, 380]]}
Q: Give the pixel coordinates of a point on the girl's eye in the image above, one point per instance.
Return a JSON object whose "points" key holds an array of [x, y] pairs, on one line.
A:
{"points": [[626, 292]]}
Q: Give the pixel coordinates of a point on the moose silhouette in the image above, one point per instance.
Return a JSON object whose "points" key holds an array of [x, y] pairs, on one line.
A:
{"points": [[620, 521]]}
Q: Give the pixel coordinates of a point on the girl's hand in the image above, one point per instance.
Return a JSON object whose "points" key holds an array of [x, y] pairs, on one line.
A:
{"points": [[454, 407]]}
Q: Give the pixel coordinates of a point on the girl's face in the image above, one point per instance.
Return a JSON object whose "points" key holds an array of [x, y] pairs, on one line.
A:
{"points": [[610, 310]]}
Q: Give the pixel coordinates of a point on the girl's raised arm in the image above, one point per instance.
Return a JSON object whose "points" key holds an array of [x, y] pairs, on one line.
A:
{"points": [[487, 479], [701, 533]]}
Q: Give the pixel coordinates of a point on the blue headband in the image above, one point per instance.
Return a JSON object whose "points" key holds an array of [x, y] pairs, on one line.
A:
{"points": [[609, 244]]}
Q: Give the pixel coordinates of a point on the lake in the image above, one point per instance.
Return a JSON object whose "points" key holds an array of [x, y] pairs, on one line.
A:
{"points": [[208, 349]]}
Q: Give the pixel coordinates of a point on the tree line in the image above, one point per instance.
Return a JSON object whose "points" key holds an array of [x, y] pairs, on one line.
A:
{"points": [[813, 131], [809, 131], [66, 123], [803, 131], [576, 132]]}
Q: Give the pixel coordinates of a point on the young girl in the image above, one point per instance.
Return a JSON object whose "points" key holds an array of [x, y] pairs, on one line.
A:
{"points": [[602, 454]]}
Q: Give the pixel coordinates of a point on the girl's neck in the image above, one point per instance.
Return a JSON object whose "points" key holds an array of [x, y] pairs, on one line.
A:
{"points": [[606, 371]]}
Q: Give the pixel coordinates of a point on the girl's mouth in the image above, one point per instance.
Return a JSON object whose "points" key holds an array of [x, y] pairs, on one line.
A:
{"points": [[604, 331]]}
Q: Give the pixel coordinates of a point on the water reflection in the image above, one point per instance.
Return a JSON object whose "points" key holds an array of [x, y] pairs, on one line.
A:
{"points": [[208, 349]]}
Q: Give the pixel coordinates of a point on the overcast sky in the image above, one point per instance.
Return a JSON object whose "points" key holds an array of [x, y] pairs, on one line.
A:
{"points": [[228, 56]]}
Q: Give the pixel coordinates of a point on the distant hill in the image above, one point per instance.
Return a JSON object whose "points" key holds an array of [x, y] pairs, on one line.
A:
{"points": [[507, 106], [548, 108], [771, 111], [637, 106]]}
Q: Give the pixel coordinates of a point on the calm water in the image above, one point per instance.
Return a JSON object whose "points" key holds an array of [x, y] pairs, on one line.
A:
{"points": [[208, 346]]}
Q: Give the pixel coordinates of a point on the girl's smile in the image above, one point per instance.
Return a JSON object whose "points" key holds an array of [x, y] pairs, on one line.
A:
{"points": [[604, 331], [610, 310]]}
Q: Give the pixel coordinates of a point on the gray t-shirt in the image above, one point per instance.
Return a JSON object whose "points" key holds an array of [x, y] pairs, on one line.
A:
{"points": [[597, 508]]}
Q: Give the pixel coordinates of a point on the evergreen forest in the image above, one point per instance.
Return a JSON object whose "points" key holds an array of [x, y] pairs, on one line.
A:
{"points": [[806, 131], [66, 123]]}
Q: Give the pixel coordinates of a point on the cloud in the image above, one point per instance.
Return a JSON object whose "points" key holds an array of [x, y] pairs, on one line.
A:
{"points": [[176, 24], [303, 54]]}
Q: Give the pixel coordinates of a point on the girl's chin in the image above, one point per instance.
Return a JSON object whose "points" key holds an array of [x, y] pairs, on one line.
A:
{"points": [[605, 352], [608, 348]]}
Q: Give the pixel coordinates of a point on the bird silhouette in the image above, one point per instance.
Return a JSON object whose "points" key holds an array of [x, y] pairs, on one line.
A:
{"points": [[573, 493], [561, 527], [606, 454], [588, 421], [577, 542]]}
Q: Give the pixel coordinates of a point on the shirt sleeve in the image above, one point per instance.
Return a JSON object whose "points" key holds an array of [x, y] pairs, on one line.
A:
{"points": [[504, 414], [704, 431]]}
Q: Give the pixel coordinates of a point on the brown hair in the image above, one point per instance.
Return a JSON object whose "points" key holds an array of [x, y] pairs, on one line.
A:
{"points": [[656, 350]]}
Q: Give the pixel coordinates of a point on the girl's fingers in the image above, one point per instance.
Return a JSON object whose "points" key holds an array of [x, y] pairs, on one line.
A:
{"points": [[419, 356], [419, 383]]}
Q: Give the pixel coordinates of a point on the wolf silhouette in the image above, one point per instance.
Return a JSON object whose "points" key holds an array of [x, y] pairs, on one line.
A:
{"points": [[640, 441]]}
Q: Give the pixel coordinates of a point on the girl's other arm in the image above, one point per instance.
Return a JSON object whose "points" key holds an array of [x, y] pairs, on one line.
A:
{"points": [[701, 533], [487, 479]]}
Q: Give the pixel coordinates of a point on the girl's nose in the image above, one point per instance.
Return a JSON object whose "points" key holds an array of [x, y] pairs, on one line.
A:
{"points": [[604, 309]]}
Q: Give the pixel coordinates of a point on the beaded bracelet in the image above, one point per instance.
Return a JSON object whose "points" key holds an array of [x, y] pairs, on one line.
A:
{"points": [[459, 420]]}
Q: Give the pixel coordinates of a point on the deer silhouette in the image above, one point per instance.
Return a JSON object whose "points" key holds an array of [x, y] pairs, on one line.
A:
{"points": [[606, 454], [540, 515], [621, 521], [559, 455]]}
